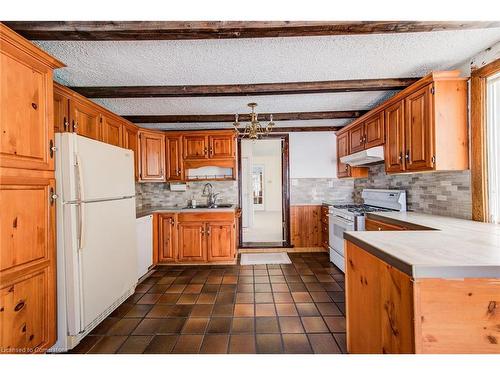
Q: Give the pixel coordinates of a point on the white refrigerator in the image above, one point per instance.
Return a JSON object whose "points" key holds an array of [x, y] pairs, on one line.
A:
{"points": [[96, 234]]}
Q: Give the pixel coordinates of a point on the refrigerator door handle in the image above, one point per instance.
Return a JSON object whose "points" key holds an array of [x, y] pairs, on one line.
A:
{"points": [[81, 195], [81, 226]]}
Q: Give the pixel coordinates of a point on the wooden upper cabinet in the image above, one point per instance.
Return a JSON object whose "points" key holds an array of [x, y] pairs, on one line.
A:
{"points": [[195, 147], [61, 112], [112, 131], [131, 141], [357, 138], [419, 130], [374, 130], [221, 241], [221, 146], [167, 238], [86, 119], [192, 242], [342, 150], [394, 146], [174, 158], [26, 120], [152, 153]]}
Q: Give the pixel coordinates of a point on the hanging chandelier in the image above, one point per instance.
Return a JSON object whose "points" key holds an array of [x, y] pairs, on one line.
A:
{"points": [[253, 129]]}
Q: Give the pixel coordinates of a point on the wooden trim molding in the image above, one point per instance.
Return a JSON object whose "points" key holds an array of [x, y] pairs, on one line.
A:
{"points": [[186, 30], [281, 88], [286, 116], [479, 173]]}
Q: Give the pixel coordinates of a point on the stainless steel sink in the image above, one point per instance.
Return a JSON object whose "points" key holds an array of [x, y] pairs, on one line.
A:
{"points": [[222, 205]]}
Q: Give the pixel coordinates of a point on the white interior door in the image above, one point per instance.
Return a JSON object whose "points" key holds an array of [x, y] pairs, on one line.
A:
{"points": [[108, 255]]}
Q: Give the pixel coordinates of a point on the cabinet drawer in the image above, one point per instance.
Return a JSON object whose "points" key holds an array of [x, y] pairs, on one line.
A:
{"points": [[371, 225], [206, 216]]}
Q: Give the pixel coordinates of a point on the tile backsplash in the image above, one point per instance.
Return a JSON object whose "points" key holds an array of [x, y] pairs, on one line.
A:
{"points": [[318, 190], [159, 194], [435, 193]]}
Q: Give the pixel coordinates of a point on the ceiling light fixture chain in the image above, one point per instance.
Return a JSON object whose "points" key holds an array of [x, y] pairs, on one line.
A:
{"points": [[253, 129]]}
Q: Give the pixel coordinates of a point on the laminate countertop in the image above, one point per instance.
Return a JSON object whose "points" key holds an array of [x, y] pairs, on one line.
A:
{"points": [[440, 247], [144, 211]]}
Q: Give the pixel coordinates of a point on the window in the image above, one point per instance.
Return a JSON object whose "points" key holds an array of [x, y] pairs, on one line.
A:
{"points": [[258, 185], [493, 146]]}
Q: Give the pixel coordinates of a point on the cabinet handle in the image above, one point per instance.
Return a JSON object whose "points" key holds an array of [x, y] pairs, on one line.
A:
{"points": [[52, 149], [75, 125], [65, 124], [19, 305], [52, 196]]}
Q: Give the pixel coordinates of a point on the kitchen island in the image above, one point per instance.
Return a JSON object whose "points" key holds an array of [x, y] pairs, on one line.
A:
{"points": [[429, 285]]}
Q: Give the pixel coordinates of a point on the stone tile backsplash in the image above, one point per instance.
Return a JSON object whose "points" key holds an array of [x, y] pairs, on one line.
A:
{"points": [[318, 190], [435, 193], [159, 194]]}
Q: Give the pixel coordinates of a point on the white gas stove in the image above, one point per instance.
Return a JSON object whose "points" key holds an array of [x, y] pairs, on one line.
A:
{"points": [[347, 217]]}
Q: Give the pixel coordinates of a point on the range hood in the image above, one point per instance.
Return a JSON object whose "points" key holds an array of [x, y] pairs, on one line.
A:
{"points": [[371, 155]]}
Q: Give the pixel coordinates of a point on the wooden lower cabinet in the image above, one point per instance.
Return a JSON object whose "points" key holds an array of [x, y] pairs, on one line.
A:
{"points": [[192, 242], [379, 304], [27, 314], [221, 241], [195, 237], [167, 240], [387, 311]]}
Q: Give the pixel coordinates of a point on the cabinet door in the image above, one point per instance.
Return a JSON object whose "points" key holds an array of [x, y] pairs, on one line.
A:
{"points": [[130, 142], [85, 119], [174, 159], [374, 130], [27, 225], [419, 130], [112, 130], [168, 238], [342, 150], [27, 320], [394, 138], [221, 146], [195, 147], [152, 151], [192, 242], [220, 241], [61, 113], [26, 119], [357, 138]]}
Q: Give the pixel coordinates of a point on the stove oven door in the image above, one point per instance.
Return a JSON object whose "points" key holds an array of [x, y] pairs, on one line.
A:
{"points": [[338, 226]]}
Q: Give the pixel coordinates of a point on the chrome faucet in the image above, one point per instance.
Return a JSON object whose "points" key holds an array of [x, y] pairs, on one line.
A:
{"points": [[211, 196]]}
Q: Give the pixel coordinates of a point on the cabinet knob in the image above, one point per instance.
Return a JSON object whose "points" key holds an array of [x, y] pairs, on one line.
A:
{"points": [[400, 157], [407, 156]]}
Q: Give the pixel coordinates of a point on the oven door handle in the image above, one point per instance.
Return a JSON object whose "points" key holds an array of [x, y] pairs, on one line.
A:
{"points": [[340, 220]]}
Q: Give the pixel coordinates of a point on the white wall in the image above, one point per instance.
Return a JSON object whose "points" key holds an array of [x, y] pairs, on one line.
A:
{"points": [[484, 57], [313, 155]]}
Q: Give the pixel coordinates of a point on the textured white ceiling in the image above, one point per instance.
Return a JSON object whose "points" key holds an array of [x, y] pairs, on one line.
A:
{"points": [[265, 59], [231, 61]]}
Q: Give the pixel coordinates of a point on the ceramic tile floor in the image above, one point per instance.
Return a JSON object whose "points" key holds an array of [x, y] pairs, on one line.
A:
{"points": [[295, 308]]}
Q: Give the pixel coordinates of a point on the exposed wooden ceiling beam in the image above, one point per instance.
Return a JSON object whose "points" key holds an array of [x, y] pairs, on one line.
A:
{"points": [[175, 30], [290, 116], [282, 88]]}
